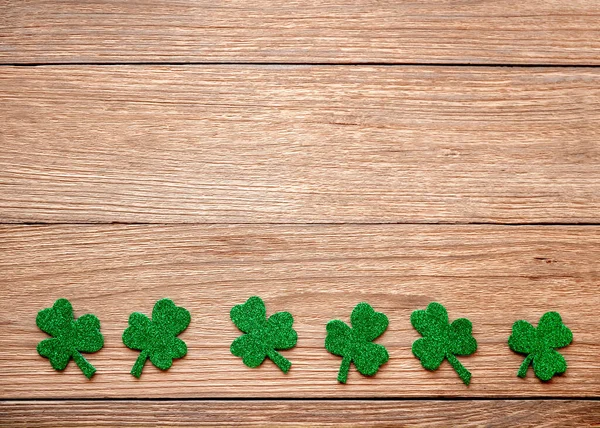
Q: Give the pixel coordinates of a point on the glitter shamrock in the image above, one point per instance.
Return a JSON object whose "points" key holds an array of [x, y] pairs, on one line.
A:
{"points": [[353, 344], [263, 336], [442, 340], [540, 344], [157, 338], [70, 336]]}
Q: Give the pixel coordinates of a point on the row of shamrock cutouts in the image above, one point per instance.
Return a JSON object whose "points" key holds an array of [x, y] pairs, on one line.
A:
{"points": [[157, 339]]}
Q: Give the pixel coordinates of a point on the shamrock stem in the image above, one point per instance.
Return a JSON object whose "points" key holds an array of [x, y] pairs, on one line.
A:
{"points": [[281, 362], [524, 366], [344, 369], [85, 366], [463, 373], [136, 370]]}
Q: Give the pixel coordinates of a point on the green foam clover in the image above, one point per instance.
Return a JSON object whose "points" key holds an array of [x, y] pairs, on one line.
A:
{"points": [[442, 340], [70, 337], [354, 344], [540, 344], [157, 338], [263, 336]]}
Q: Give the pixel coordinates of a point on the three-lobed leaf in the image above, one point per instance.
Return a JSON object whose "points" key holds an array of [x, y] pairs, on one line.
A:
{"points": [[540, 345], [70, 336], [442, 339], [157, 337], [354, 344], [263, 337]]}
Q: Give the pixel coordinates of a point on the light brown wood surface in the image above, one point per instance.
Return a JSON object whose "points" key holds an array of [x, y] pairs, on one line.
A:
{"points": [[338, 413], [493, 275], [320, 144], [458, 31], [317, 154]]}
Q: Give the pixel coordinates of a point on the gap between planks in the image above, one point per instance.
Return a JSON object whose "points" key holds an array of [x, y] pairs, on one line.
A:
{"points": [[294, 64]]}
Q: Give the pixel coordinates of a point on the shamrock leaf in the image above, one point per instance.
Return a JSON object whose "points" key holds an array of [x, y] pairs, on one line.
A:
{"points": [[263, 336], [157, 338], [540, 345], [70, 336], [442, 340], [354, 344]]}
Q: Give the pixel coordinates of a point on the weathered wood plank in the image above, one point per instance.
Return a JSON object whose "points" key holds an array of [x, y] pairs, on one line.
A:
{"points": [[497, 413], [252, 144], [493, 275], [408, 31]]}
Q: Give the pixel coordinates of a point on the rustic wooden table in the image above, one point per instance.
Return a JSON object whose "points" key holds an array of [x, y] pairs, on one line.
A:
{"points": [[316, 154]]}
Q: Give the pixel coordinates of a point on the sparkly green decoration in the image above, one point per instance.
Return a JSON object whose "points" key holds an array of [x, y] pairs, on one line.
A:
{"points": [[353, 344], [70, 336], [540, 345], [263, 336], [442, 340], [157, 338]]}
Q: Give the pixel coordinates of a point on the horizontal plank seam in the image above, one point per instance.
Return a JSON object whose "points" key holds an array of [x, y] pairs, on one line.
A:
{"points": [[295, 64], [199, 223], [321, 399]]}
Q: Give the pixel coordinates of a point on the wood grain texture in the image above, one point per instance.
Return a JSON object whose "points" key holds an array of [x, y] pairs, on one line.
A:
{"points": [[406, 31], [338, 413], [494, 275], [255, 144]]}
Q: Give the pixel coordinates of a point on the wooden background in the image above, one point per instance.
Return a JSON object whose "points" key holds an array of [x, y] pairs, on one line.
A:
{"points": [[317, 154]]}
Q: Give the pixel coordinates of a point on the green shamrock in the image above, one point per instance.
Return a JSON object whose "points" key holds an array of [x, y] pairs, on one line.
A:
{"points": [[540, 345], [70, 336], [263, 336], [442, 340], [157, 338], [354, 344]]}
